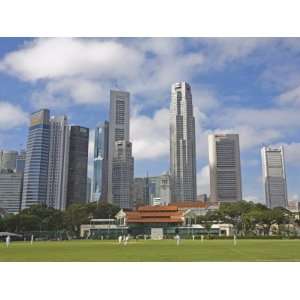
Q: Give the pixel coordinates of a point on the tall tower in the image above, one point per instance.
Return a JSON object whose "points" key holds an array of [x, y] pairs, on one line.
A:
{"points": [[182, 144], [36, 164], [122, 175], [78, 163], [274, 177], [100, 176], [20, 162], [119, 156], [224, 168], [8, 159], [58, 163]]}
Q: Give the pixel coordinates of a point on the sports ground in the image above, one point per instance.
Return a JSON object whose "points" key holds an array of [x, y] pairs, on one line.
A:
{"points": [[152, 251]]}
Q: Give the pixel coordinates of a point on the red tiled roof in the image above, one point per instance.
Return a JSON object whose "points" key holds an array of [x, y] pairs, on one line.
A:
{"points": [[155, 214], [158, 208], [155, 220]]}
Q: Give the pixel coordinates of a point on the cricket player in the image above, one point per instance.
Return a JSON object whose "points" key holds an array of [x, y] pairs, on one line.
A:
{"points": [[7, 241]]}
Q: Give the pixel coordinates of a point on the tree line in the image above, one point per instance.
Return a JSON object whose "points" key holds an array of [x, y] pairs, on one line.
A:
{"points": [[245, 217], [43, 218], [248, 217]]}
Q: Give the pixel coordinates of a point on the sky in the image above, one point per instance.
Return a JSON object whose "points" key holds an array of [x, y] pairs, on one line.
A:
{"points": [[249, 86]]}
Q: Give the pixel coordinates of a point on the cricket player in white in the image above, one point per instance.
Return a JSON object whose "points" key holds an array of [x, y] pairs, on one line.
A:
{"points": [[120, 239], [234, 240], [126, 240], [7, 241], [32, 239], [177, 238]]}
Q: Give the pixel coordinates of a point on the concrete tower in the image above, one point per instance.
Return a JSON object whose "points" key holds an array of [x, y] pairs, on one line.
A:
{"points": [[274, 177], [182, 144], [58, 163], [224, 168]]}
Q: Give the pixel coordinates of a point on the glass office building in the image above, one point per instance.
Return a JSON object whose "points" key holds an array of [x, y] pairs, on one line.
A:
{"points": [[36, 163]]}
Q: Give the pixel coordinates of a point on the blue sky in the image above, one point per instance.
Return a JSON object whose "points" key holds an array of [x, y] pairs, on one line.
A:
{"points": [[249, 86]]}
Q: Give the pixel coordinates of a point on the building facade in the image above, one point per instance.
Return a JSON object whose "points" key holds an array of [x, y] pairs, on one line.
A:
{"points": [[274, 177], [122, 175], [182, 144], [77, 166], [164, 189], [120, 160], [224, 168], [11, 185], [20, 162], [8, 159], [37, 157], [139, 190], [100, 175], [58, 163]]}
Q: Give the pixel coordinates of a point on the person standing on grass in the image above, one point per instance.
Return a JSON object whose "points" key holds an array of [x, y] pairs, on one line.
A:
{"points": [[120, 239], [31, 239], [126, 240], [7, 241], [177, 238]]}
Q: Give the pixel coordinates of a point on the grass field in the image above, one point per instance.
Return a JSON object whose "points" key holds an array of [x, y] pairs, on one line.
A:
{"points": [[166, 250]]}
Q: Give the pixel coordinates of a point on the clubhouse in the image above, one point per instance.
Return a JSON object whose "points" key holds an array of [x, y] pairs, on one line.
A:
{"points": [[157, 222]]}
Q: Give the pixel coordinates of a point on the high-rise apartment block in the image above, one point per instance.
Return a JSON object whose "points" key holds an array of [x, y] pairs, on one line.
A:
{"points": [[37, 156], [58, 163], [274, 177], [77, 166], [182, 144], [225, 168]]}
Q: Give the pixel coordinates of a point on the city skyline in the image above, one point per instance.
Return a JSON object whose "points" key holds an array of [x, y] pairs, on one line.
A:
{"points": [[236, 89]]}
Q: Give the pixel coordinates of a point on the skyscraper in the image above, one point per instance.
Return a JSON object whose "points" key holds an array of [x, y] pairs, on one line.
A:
{"points": [[36, 164], [274, 177], [224, 168], [58, 163], [77, 166], [8, 159], [20, 162], [88, 189], [10, 190], [164, 189], [182, 144], [100, 176], [120, 160], [122, 175], [139, 191]]}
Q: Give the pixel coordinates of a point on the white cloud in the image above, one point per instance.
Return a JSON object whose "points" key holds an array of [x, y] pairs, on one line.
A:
{"points": [[290, 97], [64, 92], [11, 116], [79, 70], [52, 58], [259, 118], [203, 181], [150, 136]]}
